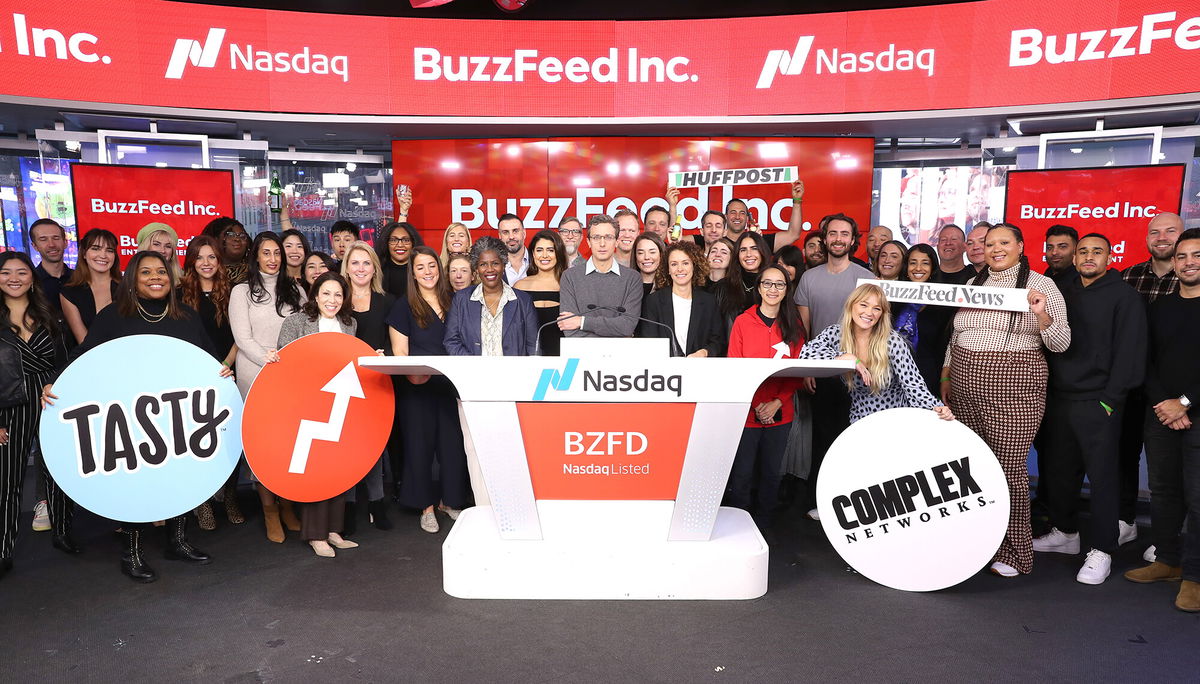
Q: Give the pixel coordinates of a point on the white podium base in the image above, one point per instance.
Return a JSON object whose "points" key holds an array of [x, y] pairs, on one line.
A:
{"points": [[604, 550]]}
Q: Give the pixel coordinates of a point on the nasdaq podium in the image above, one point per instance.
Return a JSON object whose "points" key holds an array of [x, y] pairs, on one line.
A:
{"points": [[604, 468]]}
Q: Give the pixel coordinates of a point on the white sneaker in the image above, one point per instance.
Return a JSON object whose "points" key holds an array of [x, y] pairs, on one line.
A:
{"points": [[1095, 569], [1127, 533], [813, 515], [41, 517], [1150, 556], [1003, 569], [429, 522], [1057, 541]]}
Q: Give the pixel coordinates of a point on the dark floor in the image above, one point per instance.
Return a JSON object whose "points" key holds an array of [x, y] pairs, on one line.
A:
{"points": [[265, 612]]}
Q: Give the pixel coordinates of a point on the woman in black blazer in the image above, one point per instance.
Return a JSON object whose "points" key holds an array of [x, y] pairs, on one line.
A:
{"points": [[679, 304]]}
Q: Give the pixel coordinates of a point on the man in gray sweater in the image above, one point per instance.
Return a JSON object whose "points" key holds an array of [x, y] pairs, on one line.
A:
{"points": [[599, 297]]}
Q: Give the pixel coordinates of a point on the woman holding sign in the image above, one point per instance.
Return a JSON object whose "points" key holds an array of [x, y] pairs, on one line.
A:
{"points": [[885, 375], [32, 346], [327, 310], [146, 304], [994, 375], [257, 308], [428, 405]]}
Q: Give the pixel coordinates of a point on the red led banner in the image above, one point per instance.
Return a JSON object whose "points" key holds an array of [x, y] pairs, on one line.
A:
{"points": [[1115, 201], [975, 54]]}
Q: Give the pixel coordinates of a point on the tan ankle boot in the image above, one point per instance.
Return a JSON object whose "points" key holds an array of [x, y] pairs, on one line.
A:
{"points": [[271, 519], [1155, 572], [1188, 599], [288, 515]]}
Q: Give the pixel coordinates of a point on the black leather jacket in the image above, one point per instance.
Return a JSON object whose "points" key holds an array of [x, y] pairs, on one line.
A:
{"points": [[12, 382]]}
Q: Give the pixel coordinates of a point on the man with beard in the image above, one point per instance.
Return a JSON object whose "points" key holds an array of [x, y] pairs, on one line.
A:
{"points": [[814, 250], [712, 228], [1152, 279], [737, 219], [1172, 436], [821, 294], [570, 230], [1060, 253], [512, 234], [50, 241], [1106, 360]]}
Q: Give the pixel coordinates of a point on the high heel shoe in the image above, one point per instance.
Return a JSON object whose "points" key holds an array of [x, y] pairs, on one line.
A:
{"points": [[204, 516], [271, 520], [322, 548], [288, 515], [232, 510], [336, 541]]}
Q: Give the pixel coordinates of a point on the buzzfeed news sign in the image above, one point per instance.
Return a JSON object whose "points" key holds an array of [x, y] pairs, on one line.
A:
{"points": [[976, 54], [1115, 201], [123, 199], [545, 180]]}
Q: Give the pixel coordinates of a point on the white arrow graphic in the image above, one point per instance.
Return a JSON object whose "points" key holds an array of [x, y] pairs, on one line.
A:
{"points": [[781, 349], [343, 387]]}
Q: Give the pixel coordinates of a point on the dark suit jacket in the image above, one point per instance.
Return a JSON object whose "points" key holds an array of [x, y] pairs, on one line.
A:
{"points": [[705, 331]]}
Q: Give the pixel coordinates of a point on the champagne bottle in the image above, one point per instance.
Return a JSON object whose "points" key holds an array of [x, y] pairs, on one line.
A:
{"points": [[275, 194]]}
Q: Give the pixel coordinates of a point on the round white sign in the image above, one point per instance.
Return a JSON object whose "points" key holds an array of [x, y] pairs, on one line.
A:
{"points": [[911, 501]]}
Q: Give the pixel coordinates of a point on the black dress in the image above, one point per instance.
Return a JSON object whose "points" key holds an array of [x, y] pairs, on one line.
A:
{"points": [[220, 334], [429, 413], [549, 339], [81, 297], [373, 323], [395, 279]]}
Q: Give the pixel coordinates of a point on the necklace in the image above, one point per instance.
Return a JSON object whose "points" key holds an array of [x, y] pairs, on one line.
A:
{"points": [[149, 317]]}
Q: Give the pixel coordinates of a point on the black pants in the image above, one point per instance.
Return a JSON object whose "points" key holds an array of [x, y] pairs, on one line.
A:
{"points": [[1129, 453], [1173, 457], [1080, 437], [759, 461], [432, 431], [831, 417]]}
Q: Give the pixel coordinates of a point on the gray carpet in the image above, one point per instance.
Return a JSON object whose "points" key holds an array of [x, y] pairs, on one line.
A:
{"points": [[266, 612]]}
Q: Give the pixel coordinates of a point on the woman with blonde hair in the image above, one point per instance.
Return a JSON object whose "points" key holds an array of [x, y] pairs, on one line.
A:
{"points": [[885, 375], [369, 307], [161, 238], [455, 241]]}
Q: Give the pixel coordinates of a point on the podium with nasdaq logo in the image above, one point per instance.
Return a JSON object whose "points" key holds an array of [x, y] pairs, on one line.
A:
{"points": [[604, 469]]}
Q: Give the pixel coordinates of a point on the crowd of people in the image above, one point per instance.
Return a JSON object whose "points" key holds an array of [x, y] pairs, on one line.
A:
{"points": [[1102, 362]]}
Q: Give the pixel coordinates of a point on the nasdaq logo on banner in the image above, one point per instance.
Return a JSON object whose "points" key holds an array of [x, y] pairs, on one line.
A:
{"points": [[837, 61], [553, 379], [204, 55], [600, 381]]}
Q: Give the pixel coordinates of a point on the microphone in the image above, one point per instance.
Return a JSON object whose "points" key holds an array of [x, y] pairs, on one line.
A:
{"points": [[674, 341], [537, 345]]}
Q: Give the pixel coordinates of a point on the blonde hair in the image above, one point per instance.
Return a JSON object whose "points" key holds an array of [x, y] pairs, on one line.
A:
{"points": [[877, 362], [377, 279], [445, 255], [173, 262]]}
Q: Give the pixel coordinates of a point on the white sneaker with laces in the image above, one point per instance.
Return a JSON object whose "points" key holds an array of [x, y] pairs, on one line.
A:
{"points": [[1095, 568], [1127, 532], [1057, 541], [1150, 555], [41, 517], [1003, 569], [429, 522]]}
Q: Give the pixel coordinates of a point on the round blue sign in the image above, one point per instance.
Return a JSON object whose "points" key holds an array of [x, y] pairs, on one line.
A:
{"points": [[143, 429]]}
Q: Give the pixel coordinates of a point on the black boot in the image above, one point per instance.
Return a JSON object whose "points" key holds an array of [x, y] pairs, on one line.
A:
{"points": [[350, 523], [132, 562], [64, 543], [378, 511], [6, 564], [178, 547]]}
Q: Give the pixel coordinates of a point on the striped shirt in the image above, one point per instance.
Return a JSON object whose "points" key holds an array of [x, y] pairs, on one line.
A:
{"points": [[989, 330]]}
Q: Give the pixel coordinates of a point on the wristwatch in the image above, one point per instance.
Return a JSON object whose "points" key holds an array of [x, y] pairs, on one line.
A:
{"points": [[1187, 403]]}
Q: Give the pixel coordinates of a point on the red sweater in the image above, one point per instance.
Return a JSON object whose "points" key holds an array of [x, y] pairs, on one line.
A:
{"points": [[751, 338]]}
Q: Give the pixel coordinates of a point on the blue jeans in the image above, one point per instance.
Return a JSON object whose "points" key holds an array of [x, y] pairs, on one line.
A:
{"points": [[1173, 460]]}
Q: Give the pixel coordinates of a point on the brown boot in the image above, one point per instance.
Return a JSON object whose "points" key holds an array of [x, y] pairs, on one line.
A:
{"points": [[204, 514], [1155, 572], [271, 519], [232, 510], [288, 515], [1188, 599]]}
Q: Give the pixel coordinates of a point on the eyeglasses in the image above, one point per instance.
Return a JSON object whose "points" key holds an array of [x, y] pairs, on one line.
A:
{"points": [[570, 232], [773, 285], [236, 235], [400, 241], [602, 238]]}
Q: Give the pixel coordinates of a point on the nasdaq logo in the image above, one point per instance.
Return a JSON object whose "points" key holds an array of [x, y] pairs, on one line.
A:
{"points": [[556, 380]]}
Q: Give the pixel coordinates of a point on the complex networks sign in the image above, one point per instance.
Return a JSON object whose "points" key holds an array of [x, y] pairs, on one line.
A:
{"points": [[949, 56]]}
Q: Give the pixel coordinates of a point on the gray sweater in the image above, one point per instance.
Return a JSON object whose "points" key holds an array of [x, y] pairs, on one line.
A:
{"points": [[298, 325], [580, 289]]}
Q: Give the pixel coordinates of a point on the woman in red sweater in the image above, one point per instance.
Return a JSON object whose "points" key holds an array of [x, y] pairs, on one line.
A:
{"points": [[763, 331]]}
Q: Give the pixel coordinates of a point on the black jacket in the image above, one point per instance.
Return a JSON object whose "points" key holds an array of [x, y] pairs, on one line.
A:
{"points": [[1109, 341], [12, 381], [706, 329]]}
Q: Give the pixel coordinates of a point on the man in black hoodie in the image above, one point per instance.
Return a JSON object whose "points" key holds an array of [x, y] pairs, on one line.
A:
{"points": [[1088, 386]]}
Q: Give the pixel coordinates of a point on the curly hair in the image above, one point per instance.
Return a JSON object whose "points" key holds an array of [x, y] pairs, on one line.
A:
{"points": [[699, 265]]}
